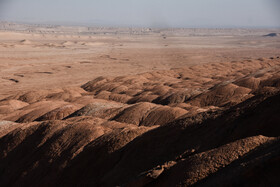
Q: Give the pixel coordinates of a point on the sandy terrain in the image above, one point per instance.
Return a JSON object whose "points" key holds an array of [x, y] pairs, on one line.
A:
{"points": [[37, 58], [139, 107]]}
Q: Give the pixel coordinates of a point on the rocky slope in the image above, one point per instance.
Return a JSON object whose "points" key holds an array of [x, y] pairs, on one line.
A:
{"points": [[205, 125]]}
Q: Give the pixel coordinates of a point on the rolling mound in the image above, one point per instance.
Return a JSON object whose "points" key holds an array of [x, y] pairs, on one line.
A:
{"points": [[205, 125], [271, 35], [25, 42]]}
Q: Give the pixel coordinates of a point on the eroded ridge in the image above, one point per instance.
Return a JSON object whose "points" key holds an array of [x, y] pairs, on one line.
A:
{"points": [[212, 124]]}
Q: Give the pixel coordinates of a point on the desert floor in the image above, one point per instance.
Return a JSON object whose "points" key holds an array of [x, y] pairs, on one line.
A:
{"points": [[139, 107], [30, 60]]}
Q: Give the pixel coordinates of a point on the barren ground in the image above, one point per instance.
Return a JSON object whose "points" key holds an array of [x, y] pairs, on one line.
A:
{"points": [[138, 107], [50, 59]]}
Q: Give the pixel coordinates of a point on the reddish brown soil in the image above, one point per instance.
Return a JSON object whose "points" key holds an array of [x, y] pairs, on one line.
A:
{"points": [[215, 124]]}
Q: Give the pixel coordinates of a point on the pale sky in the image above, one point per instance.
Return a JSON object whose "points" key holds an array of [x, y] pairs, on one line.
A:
{"points": [[145, 13]]}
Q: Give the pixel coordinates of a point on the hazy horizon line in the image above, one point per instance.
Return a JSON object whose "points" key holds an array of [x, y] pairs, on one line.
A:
{"points": [[108, 25]]}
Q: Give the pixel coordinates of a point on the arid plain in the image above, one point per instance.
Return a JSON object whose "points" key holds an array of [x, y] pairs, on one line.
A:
{"points": [[39, 57], [83, 106]]}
